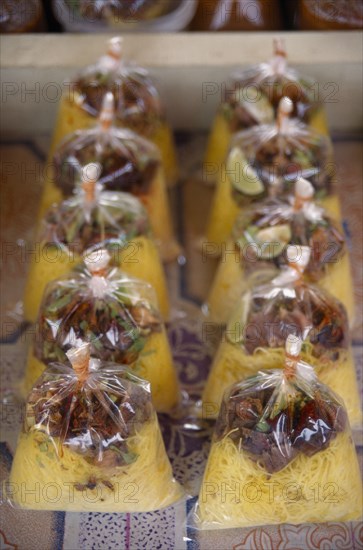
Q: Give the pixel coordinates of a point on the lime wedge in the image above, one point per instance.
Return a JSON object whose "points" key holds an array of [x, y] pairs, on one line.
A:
{"points": [[272, 240], [241, 174], [236, 326]]}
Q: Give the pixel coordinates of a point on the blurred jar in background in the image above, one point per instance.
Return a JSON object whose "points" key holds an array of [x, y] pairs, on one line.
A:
{"points": [[132, 9], [21, 16], [124, 15], [329, 14], [237, 15]]}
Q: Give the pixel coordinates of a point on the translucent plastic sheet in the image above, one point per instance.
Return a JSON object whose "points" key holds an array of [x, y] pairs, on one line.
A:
{"points": [[270, 81], [91, 441]]}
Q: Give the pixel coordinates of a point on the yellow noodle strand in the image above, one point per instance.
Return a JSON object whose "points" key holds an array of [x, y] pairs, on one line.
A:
{"points": [[146, 484], [237, 492]]}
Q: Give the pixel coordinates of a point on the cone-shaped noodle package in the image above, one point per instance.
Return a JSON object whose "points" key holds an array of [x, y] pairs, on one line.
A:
{"points": [[117, 315], [138, 105], [253, 98], [91, 442], [266, 161], [282, 452], [89, 220], [265, 315], [259, 239], [129, 163]]}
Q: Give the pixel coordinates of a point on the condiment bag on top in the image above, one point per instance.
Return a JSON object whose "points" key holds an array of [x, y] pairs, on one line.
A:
{"points": [[91, 442], [259, 239], [282, 453], [138, 104], [252, 98], [117, 315], [129, 163], [266, 161], [89, 220], [265, 315]]}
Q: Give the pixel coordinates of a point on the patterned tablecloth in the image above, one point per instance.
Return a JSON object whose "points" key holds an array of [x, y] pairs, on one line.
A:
{"points": [[187, 442]]}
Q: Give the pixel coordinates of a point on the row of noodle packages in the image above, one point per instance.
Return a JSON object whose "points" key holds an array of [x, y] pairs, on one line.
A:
{"points": [[284, 370], [100, 365]]}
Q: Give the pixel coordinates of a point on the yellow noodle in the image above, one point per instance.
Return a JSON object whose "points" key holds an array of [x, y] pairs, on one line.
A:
{"points": [[223, 212], [157, 206], [332, 206], [164, 140], [338, 281], [141, 259], [147, 267], [319, 121], [232, 364], [312, 489], [155, 364], [69, 119], [217, 148], [144, 485], [229, 283]]}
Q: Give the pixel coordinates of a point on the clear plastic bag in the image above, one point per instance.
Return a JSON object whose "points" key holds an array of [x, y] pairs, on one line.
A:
{"points": [[266, 314], [116, 314], [260, 88], [128, 163], [91, 441], [260, 236], [252, 98], [280, 452], [138, 104], [90, 220], [268, 159], [93, 216]]}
